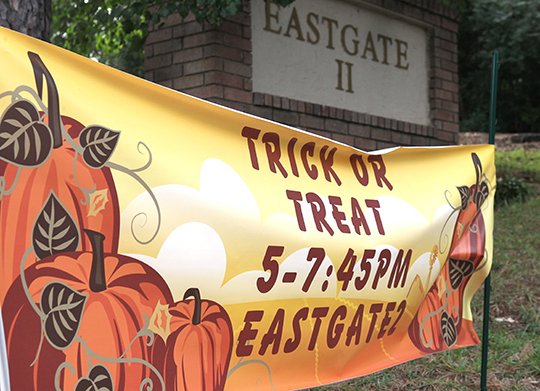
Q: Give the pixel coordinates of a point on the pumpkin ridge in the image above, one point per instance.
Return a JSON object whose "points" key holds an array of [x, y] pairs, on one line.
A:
{"points": [[210, 346], [120, 273], [128, 309]]}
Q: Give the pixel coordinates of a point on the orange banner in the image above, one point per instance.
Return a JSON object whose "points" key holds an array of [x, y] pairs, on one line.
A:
{"points": [[151, 240]]}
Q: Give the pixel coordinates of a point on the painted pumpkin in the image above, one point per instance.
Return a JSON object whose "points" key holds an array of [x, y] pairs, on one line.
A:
{"points": [[424, 331], [87, 308], [197, 352], [438, 321], [43, 162]]}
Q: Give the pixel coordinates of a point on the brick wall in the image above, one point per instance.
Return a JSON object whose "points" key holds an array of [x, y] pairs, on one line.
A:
{"points": [[214, 63]]}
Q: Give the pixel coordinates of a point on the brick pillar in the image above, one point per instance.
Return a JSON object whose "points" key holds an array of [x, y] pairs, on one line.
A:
{"points": [[212, 63]]}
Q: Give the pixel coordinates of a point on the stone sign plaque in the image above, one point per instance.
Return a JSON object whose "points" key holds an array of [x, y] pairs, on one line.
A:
{"points": [[342, 54]]}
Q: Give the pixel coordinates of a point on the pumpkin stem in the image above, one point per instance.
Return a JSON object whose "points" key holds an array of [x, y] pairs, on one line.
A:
{"points": [[55, 121], [194, 292], [97, 273]]}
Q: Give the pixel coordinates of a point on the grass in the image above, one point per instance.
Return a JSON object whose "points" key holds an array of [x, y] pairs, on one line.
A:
{"points": [[514, 354], [521, 163]]}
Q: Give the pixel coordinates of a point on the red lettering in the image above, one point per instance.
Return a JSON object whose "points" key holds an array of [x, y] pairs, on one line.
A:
{"points": [[358, 160], [365, 266], [338, 215], [292, 343], [248, 333], [327, 161], [384, 263], [379, 169], [270, 265], [355, 329], [358, 219], [386, 319], [373, 310], [296, 197], [374, 205], [292, 159], [401, 308], [273, 152], [319, 213], [308, 149], [317, 314], [252, 134], [400, 269], [273, 336], [335, 330]]}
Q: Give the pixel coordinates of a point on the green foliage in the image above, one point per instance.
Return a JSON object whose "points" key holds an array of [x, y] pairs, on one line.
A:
{"points": [[511, 189], [114, 31], [520, 162], [513, 27], [518, 174]]}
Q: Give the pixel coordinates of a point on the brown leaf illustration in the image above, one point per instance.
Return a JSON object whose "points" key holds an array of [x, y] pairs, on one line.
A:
{"points": [[24, 139], [99, 379], [458, 269], [98, 201], [98, 145], [55, 230], [465, 194], [448, 329], [63, 308], [481, 194]]}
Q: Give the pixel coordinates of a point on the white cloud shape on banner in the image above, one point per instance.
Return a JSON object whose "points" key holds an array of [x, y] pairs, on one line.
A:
{"points": [[193, 254], [222, 192], [222, 184]]}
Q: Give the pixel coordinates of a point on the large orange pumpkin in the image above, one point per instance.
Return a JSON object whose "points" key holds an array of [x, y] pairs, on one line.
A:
{"points": [[438, 321], [44, 161], [91, 308], [197, 352]]}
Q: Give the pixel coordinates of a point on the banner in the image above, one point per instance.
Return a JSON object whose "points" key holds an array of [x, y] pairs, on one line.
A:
{"points": [[151, 240]]}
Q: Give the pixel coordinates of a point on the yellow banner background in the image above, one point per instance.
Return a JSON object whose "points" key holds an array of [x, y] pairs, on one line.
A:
{"points": [[221, 211]]}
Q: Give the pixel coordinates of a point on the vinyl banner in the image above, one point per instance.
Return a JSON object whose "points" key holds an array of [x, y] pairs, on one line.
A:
{"points": [[151, 240]]}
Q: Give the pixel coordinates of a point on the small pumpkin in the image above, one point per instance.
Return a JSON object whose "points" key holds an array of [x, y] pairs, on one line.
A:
{"points": [[42, 162], [196, 354], [91, 307]]}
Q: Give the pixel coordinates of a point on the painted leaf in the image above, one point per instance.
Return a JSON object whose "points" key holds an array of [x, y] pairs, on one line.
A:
{"points": [[99, 379], [160, 321], [24, 139], [458, 270], [481, 194], [464, 193], [98, 201], [448, 329], [98, 144], [477, 167], [63, 308], [55, 230]]}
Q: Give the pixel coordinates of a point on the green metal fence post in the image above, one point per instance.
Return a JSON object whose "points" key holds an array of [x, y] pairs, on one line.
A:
{"points": [[487, 283]]}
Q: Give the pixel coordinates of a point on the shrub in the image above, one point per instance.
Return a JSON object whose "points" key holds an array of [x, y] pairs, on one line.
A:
{"points": [[511, 189]]}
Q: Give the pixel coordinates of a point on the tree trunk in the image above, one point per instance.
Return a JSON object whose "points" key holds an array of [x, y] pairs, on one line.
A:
{"points": [[32, 17]]}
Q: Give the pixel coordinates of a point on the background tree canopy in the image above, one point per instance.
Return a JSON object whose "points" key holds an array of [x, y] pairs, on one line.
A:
{"points": [[513, 27], [114, 32]]}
